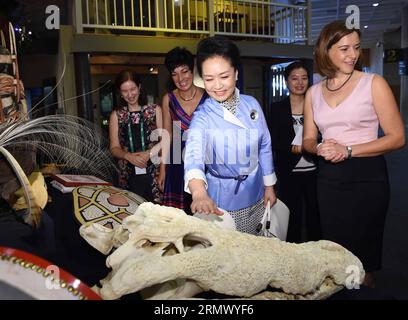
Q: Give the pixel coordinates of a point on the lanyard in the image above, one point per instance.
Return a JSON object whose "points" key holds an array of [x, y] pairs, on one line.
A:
{"points": [[130, 134]]}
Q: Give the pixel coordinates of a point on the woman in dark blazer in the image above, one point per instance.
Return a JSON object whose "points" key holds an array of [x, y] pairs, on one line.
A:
{"points": [[295, 170]]}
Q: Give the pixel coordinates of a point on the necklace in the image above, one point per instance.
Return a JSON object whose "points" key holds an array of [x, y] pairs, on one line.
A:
{"points": [[188, 99], [327, 86]]}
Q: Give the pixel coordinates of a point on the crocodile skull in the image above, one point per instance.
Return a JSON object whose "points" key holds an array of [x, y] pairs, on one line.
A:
{"points": [[165, 244]]}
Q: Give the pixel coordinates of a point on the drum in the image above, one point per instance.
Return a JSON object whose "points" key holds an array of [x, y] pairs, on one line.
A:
{"points": [[24, 276]]}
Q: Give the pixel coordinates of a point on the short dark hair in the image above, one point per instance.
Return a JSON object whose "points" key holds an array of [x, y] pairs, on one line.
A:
{"points": [[178, 57], [128, 75], [295, 65], [217, 46], [331, 34]]}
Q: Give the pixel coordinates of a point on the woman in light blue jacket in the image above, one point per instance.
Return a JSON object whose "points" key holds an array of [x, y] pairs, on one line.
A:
{"points": [[228, 159]]}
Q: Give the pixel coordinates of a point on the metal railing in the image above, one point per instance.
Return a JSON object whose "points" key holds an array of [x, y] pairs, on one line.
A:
{"points": [[283, 23]]}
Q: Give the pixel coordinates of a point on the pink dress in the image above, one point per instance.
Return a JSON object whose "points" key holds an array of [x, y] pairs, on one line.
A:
{"points": [[353, 195], [353, 121]]}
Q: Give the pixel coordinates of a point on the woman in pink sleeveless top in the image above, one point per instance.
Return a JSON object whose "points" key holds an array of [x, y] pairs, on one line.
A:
{"points": [[348, 107]]}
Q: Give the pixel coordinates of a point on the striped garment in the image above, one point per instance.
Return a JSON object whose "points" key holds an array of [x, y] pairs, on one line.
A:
{"points": [[174, 195]]}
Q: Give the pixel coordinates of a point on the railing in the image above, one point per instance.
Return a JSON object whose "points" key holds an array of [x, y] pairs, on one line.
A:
{"points": [[283, 23]]}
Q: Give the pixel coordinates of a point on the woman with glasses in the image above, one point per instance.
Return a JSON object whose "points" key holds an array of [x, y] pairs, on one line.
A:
{"points": [[295, 169], [130, 136]]}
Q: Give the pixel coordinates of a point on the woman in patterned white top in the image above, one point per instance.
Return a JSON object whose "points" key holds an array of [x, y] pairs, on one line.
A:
{"points": [[295, 169]]}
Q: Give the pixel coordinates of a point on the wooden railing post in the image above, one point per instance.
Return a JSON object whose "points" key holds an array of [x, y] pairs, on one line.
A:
{"points": [[78, 16], [211, 25]]}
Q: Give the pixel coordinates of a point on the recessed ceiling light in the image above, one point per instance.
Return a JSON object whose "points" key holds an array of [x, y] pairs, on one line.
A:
{"points": [[365, 27], [376, 4]]}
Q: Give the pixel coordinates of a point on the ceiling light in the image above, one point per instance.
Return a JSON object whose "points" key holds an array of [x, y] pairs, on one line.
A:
{"points": [[365, 27], [376, 4]]}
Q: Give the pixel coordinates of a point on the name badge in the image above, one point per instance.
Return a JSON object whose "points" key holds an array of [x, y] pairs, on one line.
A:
{"points": [[140, 170]]}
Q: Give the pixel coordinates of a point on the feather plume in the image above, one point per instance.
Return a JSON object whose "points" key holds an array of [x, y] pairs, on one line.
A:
{"points": [[74, 142], [64, 139]]}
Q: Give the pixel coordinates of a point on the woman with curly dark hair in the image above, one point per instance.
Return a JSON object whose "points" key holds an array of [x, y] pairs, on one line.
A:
{"points": [[178, 108]]}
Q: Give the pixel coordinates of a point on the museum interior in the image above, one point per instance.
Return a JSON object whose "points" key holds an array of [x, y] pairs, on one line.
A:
{"points": [[70, 231]]}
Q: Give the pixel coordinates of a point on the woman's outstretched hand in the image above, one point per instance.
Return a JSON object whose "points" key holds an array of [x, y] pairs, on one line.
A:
{"points": [[202, 203]]}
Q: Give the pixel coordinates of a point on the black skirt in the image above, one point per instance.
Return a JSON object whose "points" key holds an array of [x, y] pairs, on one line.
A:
{"points": [[142, 185], [353, 198]]}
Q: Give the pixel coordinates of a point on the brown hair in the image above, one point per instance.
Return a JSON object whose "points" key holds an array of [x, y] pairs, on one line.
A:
{"points": [[331, 34], [127, 75]]}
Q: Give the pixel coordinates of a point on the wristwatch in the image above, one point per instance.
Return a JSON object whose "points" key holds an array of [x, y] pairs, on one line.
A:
{"points": [[349, 152]]}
